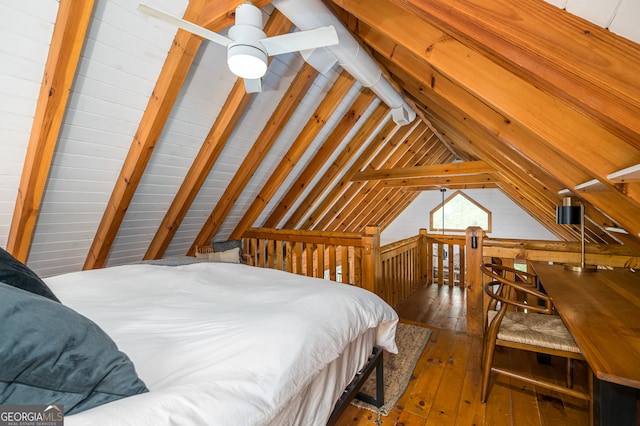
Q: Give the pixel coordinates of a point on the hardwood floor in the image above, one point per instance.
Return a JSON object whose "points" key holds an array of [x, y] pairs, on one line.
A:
{"points": [[445, 387]]}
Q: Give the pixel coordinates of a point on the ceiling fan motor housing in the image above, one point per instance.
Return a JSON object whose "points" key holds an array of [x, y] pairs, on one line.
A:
{"points": [[246, 57]]}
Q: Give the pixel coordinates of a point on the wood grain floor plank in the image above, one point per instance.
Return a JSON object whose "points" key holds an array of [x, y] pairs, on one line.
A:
{"points": [[445, 389], [470, 409]]}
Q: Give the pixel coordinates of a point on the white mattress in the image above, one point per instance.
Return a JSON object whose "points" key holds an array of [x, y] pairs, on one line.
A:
{"points": [[223, 344]]}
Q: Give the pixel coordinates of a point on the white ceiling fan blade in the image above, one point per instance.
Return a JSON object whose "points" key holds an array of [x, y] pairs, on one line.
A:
{"points": [[185, 25], [301, 40], [253, 85]]}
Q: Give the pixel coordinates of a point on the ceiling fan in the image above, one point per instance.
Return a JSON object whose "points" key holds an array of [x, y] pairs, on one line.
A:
{"points": [[248, 47]]}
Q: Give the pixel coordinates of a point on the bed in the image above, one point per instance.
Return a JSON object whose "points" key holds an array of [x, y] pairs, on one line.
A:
{"points": [[229, 344]]}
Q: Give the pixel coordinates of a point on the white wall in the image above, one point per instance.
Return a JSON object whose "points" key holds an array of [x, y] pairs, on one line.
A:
{"points": [[508, 219], [25, 31]]}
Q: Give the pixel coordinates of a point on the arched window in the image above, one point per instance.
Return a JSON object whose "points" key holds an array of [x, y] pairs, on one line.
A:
{"points": [[460, 212]]}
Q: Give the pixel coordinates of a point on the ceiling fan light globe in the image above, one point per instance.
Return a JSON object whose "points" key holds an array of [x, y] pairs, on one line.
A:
{"points": [[247, 61]]}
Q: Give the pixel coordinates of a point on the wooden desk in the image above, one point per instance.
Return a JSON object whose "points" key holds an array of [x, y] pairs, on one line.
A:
{"points": [[602, 311]]}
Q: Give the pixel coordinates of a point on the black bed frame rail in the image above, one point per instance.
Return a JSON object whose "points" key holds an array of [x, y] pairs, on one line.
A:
{"points": [[353, 390]]}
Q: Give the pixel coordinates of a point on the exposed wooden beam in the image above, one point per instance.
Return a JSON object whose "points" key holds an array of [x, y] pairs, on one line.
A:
{"points": [[481, 139], [417, 143], [225, 122], [384, 140], [324, 183], [442, 181], [210, 150], [390, 140], [314, 125], [338, 134], [374, 202], [489, 96], [588, 66], [342, 195], [579, 139], [450, 187], [383, 205], [445, 141], [388, 198], [406, 196], [523, 181], [434, 170], [276, 123], [174, 71], [382, 208], [397, 207], [68, 37]]}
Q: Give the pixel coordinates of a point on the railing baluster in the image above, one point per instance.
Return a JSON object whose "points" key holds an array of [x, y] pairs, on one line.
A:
{"points": [[288, 256], [332, 263], [320, 260]]}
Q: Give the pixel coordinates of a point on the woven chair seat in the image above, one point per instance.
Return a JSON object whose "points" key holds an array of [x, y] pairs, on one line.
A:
{"points": [[535, 329]]}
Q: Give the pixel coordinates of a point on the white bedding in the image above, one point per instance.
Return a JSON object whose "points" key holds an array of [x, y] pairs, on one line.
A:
{"points": [[218, 343]]}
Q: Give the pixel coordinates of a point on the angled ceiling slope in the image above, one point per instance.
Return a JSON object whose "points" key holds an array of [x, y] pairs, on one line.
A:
{"points": [[523, 82], [548, 101]]}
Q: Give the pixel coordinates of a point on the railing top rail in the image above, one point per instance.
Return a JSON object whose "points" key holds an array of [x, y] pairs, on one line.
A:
{"points": [[446, 239], [562, 246], [396, 244], [317, 237]]}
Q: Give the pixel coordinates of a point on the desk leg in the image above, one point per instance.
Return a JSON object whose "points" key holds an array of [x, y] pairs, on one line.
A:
{"points": [[614, 404]]}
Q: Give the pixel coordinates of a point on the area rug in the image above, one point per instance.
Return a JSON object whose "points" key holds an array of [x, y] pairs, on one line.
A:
{"points": [[411, 340]]}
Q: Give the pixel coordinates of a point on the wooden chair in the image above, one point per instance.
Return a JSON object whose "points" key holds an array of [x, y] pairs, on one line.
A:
{"points": [[521, 317]]}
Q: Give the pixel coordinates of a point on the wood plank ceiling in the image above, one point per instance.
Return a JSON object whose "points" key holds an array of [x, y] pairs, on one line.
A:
{"points": [[520, 96]]}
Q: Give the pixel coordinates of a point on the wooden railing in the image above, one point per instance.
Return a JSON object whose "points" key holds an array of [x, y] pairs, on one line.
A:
{"points": [[344, 257], [522, 252], [403, 268], [392, 271], [395, 270], [446, 259]]}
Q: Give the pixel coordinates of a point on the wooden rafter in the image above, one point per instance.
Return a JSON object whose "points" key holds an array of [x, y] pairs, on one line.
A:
{"points": [[479, 178], [496, 87], [433, 57], [523, 181], [566, 55], [225, 122], [383, 207], [465, 168], [406, 197], [417, 145], [450, 187], [385, 136], [322, 185], [219, 14], [370, 207], [314, 125], [397, 209], [210, 150], [174, 71], [276, 123], [342, 193], [343, 127], [68, 37]]}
